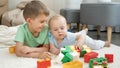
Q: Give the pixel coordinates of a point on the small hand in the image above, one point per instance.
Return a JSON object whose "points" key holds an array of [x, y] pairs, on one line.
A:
{"points": [[46, 55], [79, 45]]}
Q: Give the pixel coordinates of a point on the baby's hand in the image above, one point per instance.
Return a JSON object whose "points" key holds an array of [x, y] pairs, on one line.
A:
{"points": [[79, 45], [46, 55]]}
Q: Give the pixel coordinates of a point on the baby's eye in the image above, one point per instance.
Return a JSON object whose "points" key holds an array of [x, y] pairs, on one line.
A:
{"points": [[62, 28]]}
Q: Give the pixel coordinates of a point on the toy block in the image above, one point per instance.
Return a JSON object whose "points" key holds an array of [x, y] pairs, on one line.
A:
{"points": [[75, 55], [82, 53], [12, 49], [67, 58], [44, 63], [58, 58], [68, 48], [88, 49], [98, 63], [109, 57], [73, 64], [90, 55]]}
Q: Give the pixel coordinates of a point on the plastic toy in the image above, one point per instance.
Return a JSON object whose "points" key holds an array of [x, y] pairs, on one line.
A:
{"points": [[69, 53], [89, 56], [98, 63], [83, 52], [73, 64], [12, 49], [109, 57], [44, 63]]}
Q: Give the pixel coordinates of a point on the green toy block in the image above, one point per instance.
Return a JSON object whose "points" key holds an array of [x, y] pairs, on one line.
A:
{"points": [[68, 48], [98, 62], [67, 58], [83, 52], [64, 52]]}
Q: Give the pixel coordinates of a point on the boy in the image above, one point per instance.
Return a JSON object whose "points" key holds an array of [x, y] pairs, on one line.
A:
{"points": [[32, 37], [59, 36]]}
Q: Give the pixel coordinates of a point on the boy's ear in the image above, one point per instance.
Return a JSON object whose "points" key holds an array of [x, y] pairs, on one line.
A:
{"points": [[28, 20]]}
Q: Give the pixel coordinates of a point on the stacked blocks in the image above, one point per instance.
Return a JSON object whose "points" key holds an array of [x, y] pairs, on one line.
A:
{"points": [[44, 63], [98, 63], [12, 49], [73, 64], [89, 56], [85, 50], [70, 53], [67, 56], [109, 57]]}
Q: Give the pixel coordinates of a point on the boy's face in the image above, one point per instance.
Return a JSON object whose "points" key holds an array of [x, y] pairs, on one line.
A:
{"points": [[58, 28], [37, 24]]}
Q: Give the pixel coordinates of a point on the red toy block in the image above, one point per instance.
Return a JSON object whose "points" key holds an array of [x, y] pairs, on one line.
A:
{"points": [[90, 55], [43, 63], [109, 57]]}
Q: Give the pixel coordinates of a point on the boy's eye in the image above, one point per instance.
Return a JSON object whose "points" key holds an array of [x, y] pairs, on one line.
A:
{"points": [[55, 29], [42, 21]]}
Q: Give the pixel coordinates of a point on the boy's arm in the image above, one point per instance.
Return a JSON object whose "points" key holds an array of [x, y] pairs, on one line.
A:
{"points": [[45, 48], [80, 41], [54, 50], [21, 49]]}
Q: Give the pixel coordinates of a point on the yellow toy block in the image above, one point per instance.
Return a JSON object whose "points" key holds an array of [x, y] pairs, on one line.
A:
{"points": [[12, 49], [88, 49], [73, 64]]}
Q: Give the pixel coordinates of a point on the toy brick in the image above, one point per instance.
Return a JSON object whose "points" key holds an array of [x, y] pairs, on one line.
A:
{"points": [[73, 64], [44, 63], [75, 55], [67, 58], [12, 49], [83, 52], [89, 56], [109, 57], [88, 49], [98, 63], [68, 48]]}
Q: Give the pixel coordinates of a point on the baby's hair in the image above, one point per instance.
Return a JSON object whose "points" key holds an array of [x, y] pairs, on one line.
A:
{"points": [[35, 8], [54, 18]]}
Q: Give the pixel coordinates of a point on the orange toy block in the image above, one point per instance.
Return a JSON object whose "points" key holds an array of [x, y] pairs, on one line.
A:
{"points": [[12, 49], [73, 64], [44, 63]]}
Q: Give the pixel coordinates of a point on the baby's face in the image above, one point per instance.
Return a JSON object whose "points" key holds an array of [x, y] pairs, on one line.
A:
{"points": [[38, 23], [58, 28]]}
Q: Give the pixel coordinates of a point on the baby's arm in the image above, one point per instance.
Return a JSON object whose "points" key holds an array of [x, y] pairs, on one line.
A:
{"points": [[54, 50], [80, 41]]}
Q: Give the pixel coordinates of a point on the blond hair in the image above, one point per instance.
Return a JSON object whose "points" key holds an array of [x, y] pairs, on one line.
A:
{"points": [[55, 17]]}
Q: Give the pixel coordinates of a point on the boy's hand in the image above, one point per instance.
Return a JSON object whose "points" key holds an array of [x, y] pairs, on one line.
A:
{"points": [[46, 55], [26, 50]]}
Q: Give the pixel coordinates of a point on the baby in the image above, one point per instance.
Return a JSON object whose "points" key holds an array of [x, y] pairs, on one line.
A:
{"points": [[59, 36]]}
